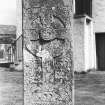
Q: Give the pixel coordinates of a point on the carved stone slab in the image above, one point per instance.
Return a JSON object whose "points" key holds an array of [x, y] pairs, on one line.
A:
{"points": [[48, 62]]}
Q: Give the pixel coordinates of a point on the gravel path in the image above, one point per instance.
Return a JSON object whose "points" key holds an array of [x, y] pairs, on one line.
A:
{"points": [[90, 88], [11, 87]]}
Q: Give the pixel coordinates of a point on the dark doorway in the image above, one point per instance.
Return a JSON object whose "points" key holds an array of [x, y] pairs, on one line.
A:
{"points": [[100, 50]]}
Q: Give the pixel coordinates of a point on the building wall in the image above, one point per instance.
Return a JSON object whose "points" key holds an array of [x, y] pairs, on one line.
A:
{"points": [[89, 45], [98, 12], [99, 15], [84, 44], [78, 44]]}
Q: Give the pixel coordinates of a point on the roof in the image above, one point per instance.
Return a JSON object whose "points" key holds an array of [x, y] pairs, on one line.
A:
{"points": [[7, 29]]}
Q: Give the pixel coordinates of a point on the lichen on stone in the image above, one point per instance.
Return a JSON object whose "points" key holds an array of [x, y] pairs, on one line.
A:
{"points": [[48, 74]]}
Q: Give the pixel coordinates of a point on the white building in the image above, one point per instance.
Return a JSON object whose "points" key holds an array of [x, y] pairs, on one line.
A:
{"points": [[89, 35]]}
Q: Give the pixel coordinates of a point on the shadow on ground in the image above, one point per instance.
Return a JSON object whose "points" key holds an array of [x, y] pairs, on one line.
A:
{"points": [[90, 88]]}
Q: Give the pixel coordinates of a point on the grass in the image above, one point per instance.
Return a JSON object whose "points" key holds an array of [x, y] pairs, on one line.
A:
{"points": [[11, 87], [90, 88]]}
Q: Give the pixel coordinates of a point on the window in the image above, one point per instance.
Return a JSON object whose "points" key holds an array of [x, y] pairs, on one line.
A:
{"points": [[83, 7]]}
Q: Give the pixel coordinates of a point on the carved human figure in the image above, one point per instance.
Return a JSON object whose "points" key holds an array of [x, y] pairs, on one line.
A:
{"points": [[49, 72]]}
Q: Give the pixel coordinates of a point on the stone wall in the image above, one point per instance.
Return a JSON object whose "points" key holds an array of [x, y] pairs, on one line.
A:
{"points": [[48, 63]]}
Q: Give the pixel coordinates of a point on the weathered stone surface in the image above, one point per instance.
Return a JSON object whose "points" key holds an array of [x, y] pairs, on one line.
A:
{"points": [[48, 64]]}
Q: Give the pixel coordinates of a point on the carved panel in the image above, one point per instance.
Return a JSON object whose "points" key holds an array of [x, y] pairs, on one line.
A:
{"points": [[47, 53]]}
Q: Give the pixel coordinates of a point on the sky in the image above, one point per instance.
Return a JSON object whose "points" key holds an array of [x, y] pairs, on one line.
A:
{"points": [[7, 12]]}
